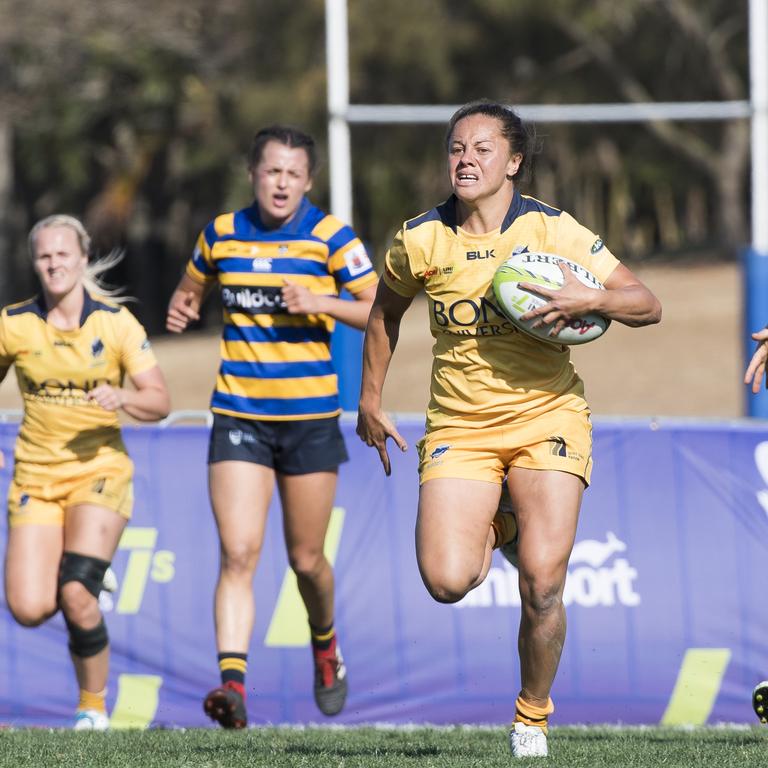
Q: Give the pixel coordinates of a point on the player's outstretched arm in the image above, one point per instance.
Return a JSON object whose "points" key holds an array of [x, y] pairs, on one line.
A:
{"points": [[381, 335], [184, 306], [756, 368]]}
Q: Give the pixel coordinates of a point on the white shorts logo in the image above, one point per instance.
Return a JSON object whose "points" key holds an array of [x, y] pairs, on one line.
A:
{"points": [[235, 436]]}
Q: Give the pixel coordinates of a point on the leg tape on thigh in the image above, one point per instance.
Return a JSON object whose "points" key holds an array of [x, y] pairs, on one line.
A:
{"points": [[87, 642], [89, 571]]}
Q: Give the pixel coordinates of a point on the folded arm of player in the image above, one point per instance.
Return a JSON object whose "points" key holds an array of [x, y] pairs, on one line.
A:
{"points": [[149, 401], [756, 368], [300, 300], [625, 299], [381, 335]]}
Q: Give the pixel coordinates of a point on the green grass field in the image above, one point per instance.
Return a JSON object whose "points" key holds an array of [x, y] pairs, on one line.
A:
{"points": [[323, 747]]}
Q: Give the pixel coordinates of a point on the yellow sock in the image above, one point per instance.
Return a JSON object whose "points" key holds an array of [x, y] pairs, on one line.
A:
{"points": [[91, 700], [531, 714]]}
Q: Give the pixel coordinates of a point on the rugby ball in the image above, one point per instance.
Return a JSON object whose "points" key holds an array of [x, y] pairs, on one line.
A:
{"points": [[542, 269]]}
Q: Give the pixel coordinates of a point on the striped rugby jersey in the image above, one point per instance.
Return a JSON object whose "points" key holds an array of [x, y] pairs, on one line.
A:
{"points": [[276, 366], [485, 372]]}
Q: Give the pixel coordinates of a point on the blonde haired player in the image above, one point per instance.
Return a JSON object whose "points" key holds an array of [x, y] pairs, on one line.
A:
{"points": [[503, 403], [71, 492]]}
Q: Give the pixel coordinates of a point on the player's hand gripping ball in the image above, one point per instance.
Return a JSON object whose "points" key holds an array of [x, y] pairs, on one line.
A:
{"points": [[542, 269]]}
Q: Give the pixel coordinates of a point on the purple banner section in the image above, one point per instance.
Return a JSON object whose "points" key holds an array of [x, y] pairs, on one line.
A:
{"points": [[667, 618]]}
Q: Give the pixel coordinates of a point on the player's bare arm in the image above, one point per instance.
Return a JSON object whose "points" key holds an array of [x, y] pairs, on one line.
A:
{"points": [[756, 368], [381, 335], [185, 303], [625, 299], [149, 401], [300, 300]]}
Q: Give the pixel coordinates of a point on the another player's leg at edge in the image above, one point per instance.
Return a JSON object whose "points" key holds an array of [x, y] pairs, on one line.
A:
{"points": [[760, 701]]}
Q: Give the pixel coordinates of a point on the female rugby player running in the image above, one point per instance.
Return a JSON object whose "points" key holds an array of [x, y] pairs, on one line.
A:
{"points": [[280, 264], [71, 493], [502, 402]]}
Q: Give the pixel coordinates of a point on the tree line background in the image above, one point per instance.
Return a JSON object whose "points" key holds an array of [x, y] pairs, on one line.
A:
{"points": [[136, 117]]}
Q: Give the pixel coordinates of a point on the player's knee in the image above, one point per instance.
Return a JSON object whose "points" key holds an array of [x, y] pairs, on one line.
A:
{"points": [[541, 596], [306, 563], [447, 587], [77, 603], [83, 569], [87, 642], [31, 613], [80, 581], [240, 560]]}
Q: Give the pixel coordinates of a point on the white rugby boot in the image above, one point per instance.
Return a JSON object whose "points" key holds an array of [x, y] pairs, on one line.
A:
{"points": [[527, 741], [91, 720], [109, 583]]}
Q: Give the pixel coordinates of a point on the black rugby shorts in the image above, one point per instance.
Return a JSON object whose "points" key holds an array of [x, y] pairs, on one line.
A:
{"points": [[289, 447]]}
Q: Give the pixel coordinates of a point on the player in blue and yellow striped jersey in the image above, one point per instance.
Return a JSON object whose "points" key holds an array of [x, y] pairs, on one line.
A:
{"points": [[71, 493], [503, 403], [279, 265]]}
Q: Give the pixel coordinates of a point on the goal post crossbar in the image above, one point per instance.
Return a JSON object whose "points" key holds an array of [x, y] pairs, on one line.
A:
{"points": [[556, 113]]}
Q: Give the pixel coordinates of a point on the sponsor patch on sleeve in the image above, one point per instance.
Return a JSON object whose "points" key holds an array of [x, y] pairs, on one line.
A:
{"points": [[357, 260], [596, 246]]}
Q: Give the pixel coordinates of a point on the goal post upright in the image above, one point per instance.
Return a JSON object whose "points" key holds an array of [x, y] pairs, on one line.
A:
{"points": [[756, 255]]}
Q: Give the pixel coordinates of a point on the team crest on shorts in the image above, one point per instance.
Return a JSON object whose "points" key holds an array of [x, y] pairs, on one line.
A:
{"points": [[558, 447], [438, 452], [235, 436]]}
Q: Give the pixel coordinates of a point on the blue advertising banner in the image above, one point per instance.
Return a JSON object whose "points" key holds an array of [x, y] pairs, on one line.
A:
{"points": [[667, 619]]}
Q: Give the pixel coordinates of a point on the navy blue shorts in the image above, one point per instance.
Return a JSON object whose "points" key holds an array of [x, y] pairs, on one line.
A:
{"points": [[289, 447]]}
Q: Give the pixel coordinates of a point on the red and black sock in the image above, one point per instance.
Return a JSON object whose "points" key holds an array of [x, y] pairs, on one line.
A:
{"points": [[233, 667]]}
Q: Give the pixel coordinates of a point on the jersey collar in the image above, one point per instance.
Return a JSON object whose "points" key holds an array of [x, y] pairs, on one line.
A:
{"points": [[90, 305], [447, 212], [291, 227]]}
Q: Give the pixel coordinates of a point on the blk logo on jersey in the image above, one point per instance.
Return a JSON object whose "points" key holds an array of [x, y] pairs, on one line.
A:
{"points": [[488, 253]]}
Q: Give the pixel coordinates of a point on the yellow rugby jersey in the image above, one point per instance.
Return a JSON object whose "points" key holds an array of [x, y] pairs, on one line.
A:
{"points": [[56, 369], [274, 365], [485, 371]]}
